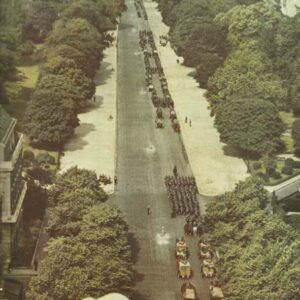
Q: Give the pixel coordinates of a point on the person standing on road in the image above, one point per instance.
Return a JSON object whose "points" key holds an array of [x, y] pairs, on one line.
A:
{"points": [[190, 123], [148, 210], [175, 171]]}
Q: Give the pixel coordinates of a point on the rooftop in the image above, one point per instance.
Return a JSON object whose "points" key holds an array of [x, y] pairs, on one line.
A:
{"points": [[6, 121]]}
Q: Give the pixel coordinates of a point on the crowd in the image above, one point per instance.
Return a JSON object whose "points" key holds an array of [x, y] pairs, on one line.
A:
{"points": [[182, 194]]}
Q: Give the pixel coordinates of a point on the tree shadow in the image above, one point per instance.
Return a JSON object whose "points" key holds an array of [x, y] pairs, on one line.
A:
{"points": [[93, 105], [104, 73], [77, 142], [230, 151], [135, 247]]}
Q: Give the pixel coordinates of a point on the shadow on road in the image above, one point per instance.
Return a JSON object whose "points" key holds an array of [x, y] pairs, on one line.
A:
{"points": [[135, 247]]}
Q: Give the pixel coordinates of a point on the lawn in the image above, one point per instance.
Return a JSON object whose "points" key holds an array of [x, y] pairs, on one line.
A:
{"points": [[31, 75], [20, 92]]}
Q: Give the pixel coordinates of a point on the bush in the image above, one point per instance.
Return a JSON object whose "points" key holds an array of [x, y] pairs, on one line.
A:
{"points": [[45, 158], [43, 176], [296, 164], [263, 176], [288, 170], [270, 171], [289, 162], [28, 155], [256, 165], [276, 175], [27, 48], [297, 151]]}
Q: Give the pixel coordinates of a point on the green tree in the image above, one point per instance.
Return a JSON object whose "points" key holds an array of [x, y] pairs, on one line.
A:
{"points": [[72, 86], [50, 120], [250, 125], [81, 35], [73, 270], [246, 73], [75, 179], [38, 19], [296, 132]]}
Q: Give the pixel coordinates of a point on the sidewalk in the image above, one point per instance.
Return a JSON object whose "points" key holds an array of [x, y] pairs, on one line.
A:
{"points": [[215, 172], [93, 144]]}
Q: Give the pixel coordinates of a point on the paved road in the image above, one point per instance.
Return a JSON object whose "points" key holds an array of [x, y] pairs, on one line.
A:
{"points": [[144, 156]]}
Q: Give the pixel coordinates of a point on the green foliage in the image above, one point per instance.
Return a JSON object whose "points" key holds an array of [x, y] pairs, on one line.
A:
{"points": [[50, 119], [257, 250], [288, 170], [246, 73], [250, 125], [81, 35], [83, 260], [90, 11], [38, 19], [296, 132], [67, 87], [45, 158]]}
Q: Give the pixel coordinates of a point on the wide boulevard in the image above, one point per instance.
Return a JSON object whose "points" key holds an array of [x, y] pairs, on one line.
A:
{"points": [[145, 155]]}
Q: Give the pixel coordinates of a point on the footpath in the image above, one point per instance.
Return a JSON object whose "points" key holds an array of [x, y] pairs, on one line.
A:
{"points": [[93, 144]]}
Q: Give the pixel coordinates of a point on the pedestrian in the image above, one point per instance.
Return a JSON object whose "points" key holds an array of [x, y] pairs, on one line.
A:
{"points": [[94, 98], [186, 120], [175, 171], [195, 229], [148, 210], [190, 123], [115, 180]]}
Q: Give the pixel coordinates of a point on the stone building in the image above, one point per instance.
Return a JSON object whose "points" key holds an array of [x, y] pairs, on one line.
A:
{"points": [[12, 186]]}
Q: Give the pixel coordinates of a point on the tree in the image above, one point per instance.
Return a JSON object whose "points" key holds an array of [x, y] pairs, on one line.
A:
{"points": [[197, 36], [91, 262], [38, 19], [250, 125], [81, 35], [50, 120], [71, 86], [90, 11], [246, 73], [296, 132], [70, 53], [75, 179], [252, 242], [73, 270]]}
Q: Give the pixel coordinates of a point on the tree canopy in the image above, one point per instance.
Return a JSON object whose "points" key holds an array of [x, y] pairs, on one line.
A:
{"points": [[89, 252], [259, 252], [250, 125]]}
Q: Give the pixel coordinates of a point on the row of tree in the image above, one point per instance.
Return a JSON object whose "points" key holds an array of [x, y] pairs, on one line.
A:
{"points": [[243, 51], [88, 253], [72, 54], [259, 253]]}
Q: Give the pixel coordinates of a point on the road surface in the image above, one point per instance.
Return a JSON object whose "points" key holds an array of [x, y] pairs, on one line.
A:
{"points": [[145, 155]]}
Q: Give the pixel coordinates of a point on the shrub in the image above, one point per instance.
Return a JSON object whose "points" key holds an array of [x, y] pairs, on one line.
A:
{"points": [[288, 170], [256, 165], [27, 48], [297, 151], [276, 175], [45, 158], [43, 176], [28, 155], [289, 162], [296, 164], [270, 171]]}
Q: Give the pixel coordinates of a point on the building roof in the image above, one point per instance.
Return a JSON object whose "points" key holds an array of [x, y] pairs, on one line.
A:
{"points": [[6, 121]]}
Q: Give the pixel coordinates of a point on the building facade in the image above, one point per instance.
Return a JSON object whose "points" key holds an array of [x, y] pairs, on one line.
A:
{"points": [[12, 186]]}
